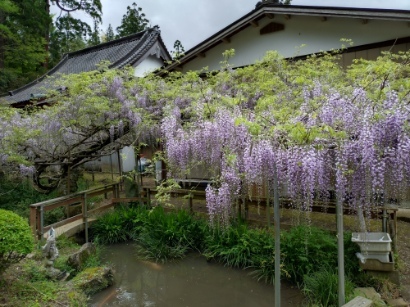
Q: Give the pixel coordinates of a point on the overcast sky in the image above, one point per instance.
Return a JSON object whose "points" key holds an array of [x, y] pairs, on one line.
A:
{"points": [[192, 21]]}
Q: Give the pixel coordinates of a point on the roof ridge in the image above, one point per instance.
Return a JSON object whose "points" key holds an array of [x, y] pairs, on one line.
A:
{"points": [[104, 45], [135, 52]]}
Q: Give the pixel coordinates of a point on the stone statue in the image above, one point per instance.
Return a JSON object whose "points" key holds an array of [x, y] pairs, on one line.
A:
{"points": [[50, 252]]}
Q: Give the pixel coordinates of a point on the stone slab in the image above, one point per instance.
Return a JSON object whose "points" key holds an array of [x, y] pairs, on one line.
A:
{"points": [[399, 302], [405, 292], [370, 294], [359, 301]]}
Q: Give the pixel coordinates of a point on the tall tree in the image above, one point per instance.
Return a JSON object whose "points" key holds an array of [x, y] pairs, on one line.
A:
{"points": [[109, 35], [68, 30], [26, 31], [6, 7], [178, 50], [63, 40], [22, 41], [93, 8], [95, 36], [132, 22], [67, 35]]}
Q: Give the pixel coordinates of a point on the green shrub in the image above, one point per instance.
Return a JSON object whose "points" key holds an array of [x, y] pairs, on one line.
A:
{"points": [[17, 195], [240, 246], [54, 215], [16, 239], [352, 267], [306, 249], [122, 224], [168, 235], [321, 287], [108, 229]]}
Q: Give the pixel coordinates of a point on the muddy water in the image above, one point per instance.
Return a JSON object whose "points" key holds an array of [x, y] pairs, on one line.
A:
{"points": [[191, 282]]}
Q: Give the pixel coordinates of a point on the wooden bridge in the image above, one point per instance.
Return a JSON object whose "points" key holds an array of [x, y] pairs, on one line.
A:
{"points": [[76, 206]]}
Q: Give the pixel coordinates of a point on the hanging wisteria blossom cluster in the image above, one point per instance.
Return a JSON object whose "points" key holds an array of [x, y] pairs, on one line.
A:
{"points": [[323, 135]]}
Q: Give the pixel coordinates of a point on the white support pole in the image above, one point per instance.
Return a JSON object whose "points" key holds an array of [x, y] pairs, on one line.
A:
{"points": [[277, 236], [340, 251]]}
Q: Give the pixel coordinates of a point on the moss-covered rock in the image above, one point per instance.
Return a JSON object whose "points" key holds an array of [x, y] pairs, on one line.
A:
{"points": [[78, 259], [92, 280], [16, 239]]}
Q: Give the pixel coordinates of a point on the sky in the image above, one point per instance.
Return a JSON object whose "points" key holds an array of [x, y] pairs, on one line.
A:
{"points": [[192, 21]]}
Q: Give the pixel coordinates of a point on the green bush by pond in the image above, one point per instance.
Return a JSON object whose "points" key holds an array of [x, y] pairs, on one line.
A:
{"points": [[309, 254], [16, 239], [160, 236]]}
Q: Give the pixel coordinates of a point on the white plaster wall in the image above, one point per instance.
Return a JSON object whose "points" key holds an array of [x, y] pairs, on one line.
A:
{"points": [[127, 156], [127, 159], [315, 34], [148, 65]]}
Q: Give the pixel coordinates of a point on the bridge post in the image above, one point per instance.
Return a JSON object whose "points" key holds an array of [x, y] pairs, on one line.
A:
{"points": [[33, 221], [149, 197], [41, 228], [85, 216], [114, 191]]}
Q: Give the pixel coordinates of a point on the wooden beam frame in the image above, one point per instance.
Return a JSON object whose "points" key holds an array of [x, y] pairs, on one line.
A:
{"points": [[254, 23], [226, 40]]}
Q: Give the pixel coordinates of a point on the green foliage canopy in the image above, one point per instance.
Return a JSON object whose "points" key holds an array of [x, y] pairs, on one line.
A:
{"points": [[133, 21]]}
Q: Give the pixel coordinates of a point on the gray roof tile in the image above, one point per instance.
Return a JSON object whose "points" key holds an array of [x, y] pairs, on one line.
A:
{"points": [[121, 52]]}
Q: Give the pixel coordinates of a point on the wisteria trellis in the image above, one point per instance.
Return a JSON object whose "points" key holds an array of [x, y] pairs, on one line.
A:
{"points": [[323, 128]]}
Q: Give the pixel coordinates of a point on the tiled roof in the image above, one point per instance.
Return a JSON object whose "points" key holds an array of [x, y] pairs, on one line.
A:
{"points": [[121, 52]]}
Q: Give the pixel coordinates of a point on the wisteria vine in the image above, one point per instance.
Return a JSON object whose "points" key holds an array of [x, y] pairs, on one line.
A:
{"points": [[321, 128]]}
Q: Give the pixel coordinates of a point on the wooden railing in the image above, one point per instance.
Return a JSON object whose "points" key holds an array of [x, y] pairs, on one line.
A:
{"points": [[70, 202], [112, 194]]}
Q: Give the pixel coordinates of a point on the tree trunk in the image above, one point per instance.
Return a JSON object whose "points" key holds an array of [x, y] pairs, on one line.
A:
{"points": [[47, 36], [2, 42]]}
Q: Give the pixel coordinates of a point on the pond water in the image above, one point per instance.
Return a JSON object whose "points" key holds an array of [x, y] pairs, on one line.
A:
{"points": [[191, 282]]}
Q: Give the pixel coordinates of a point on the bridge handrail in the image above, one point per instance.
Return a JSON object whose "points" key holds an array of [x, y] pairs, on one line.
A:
{"points": [[37, 210], [107, 187]]}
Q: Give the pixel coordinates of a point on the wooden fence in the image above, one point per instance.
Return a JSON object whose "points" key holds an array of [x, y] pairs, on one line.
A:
{"points": [[113, 196]]}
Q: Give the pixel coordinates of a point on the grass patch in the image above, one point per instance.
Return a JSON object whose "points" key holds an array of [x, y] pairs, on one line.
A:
{"points": [[321, 287]]}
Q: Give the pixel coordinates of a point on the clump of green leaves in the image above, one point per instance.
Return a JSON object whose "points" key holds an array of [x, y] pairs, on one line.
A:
{"points": [[167, 236], [239, 246], [16, 239], [123, 224], [17, 195], [305, 249], [321, 287]]}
